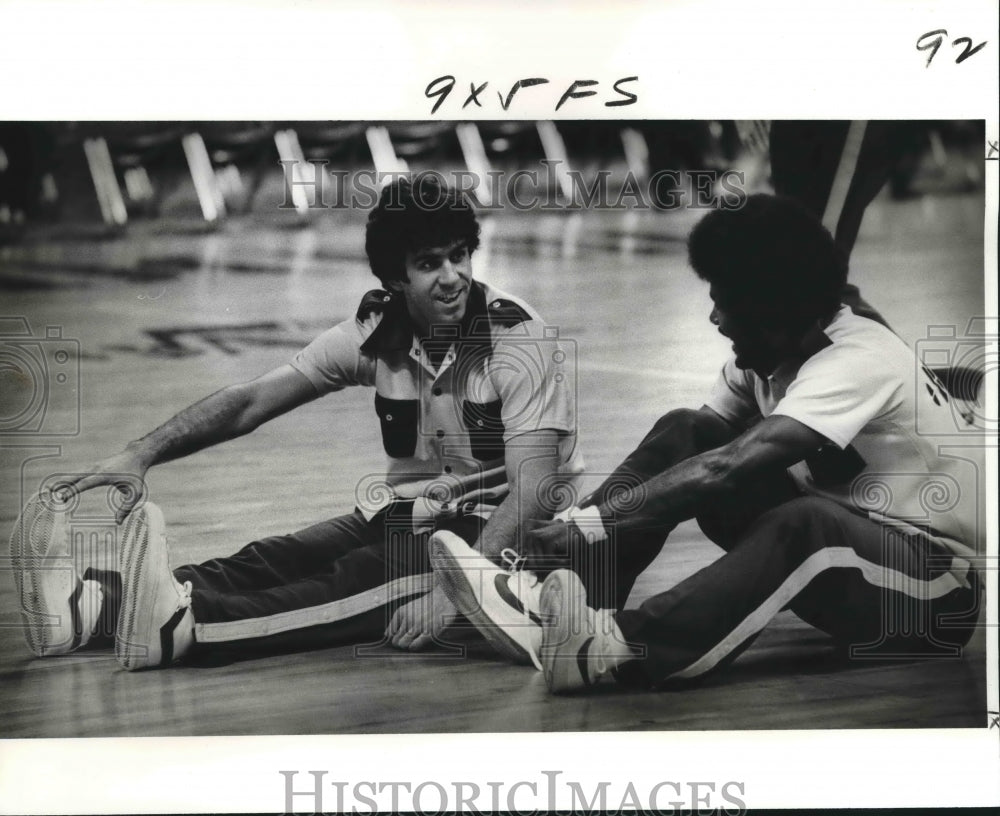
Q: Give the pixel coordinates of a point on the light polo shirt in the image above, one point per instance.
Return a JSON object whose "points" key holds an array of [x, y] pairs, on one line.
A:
{"points": [[505, 376], [863, 389]]}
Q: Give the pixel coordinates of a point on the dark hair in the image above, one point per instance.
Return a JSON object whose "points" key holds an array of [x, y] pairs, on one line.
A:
{"points": [[414, 214], [770, 261]]}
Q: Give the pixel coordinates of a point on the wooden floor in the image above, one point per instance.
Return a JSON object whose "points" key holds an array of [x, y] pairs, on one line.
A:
{"points": [[166, 313]]}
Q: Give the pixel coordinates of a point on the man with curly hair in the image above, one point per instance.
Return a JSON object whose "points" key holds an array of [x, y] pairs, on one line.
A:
{"points": [[806, 466], [475, 413]]}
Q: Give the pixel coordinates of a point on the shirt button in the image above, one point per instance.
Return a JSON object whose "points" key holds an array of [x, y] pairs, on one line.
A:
{"points": [[437, 392], [388, 417]]}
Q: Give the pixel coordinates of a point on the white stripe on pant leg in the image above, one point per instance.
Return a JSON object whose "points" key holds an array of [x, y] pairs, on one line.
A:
{"points": [[313, 615], [827, 558]]}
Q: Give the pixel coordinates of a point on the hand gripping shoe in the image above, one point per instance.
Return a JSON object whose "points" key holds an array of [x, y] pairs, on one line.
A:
{"points": [[501, 603], [155, 623]]}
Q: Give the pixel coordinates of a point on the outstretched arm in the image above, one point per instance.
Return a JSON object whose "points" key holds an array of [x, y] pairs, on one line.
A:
{"points": [[226, 414]]}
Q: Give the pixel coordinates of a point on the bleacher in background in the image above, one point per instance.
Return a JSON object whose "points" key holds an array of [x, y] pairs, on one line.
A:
{"points": [[108, 174]]}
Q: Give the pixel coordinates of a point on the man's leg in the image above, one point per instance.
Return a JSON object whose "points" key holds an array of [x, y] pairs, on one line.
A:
{"points": [[806, 161], [335, 582], [278, 560], [807, 157], [842, 573], [676, 436], [263, 564], [609, 571]]}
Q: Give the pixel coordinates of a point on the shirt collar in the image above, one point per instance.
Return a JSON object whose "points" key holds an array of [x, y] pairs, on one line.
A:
{"points": [[476, 323], [395, 331], [815, 340]]}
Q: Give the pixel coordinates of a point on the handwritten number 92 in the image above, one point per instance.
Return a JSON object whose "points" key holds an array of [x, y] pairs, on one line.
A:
{"points": [[932, 40]]}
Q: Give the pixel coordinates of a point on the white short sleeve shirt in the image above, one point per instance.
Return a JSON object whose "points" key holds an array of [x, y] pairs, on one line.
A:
{"points": [[882, 412]]}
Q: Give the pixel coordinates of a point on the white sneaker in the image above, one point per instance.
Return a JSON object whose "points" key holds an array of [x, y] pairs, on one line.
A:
{"points": [[501, 603], [59, 611], [579, 644], [155, 623]]}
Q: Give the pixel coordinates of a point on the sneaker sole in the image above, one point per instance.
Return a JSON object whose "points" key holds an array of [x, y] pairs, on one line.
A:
{"points": [[461, 593], [564, 673], [137, 637], [36, 532]]}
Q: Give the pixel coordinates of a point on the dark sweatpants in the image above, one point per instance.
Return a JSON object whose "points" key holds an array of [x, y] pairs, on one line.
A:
{"points": [[338, 581], [875, 591]]}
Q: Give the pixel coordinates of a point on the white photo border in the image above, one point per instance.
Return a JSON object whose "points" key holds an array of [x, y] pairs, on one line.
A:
{"points": [[110, 60]]}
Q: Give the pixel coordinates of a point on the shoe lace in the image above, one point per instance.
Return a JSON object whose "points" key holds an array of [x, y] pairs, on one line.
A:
{"points": [[514, 562], [512, 559]]}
